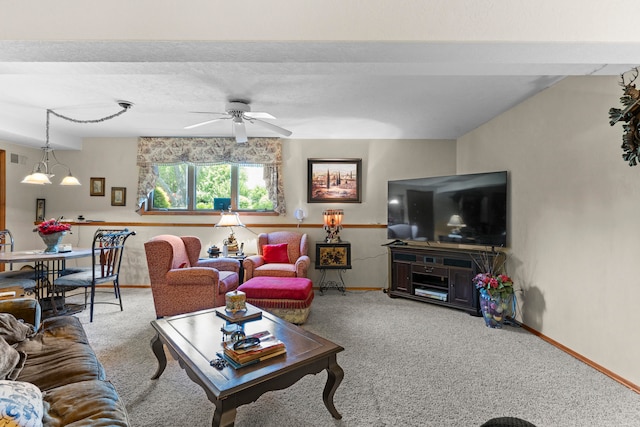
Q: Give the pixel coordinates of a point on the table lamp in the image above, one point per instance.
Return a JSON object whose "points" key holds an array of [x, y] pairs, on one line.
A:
{"points": [[333, 224], [230, 219]]}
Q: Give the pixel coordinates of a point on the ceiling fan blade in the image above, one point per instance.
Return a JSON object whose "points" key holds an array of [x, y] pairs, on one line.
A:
{"points": [[259, 115], [239, 130], [278, 129], [203, 123]]}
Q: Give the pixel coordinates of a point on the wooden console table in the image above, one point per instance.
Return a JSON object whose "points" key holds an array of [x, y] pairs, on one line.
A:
{"points": [[435, 275]]}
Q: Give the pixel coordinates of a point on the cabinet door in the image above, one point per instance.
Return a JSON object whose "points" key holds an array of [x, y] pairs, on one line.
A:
{"points": [[460, 287], [401, 278]]}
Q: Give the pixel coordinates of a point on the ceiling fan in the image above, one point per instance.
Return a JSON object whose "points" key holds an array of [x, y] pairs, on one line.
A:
{"points": [[239, 112]]}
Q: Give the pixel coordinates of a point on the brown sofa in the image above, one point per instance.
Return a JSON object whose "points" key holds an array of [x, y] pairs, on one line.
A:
{"points": [[64, 367]]}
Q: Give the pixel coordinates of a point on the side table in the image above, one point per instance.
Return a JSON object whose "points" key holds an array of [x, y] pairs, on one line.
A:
{"points": [[332, 256], [240, 258]]}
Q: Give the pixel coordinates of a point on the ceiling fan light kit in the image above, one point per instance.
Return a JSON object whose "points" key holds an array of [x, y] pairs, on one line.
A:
{"points": [[240, 112]]}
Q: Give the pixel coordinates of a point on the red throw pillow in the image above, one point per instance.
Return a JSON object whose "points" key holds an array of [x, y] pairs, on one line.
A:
{"points": [[275, 253]]}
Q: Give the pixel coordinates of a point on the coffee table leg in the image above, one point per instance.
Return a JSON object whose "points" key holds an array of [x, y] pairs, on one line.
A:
{"points": [[223, 417], [334, 378], [158, 350]]}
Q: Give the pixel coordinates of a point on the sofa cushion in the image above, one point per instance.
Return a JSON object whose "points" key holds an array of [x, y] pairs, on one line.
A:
{"points": [[92, 403], [11, 361], [275, 253], [20, 404], [59, 354]]}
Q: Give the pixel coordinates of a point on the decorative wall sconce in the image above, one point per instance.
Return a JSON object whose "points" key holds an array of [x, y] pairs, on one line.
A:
{"points": [[300, 215], [333, 224], [42, 171]]}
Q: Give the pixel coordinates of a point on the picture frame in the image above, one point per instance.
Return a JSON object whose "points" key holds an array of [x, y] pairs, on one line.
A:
{"points": [[40, 209], [96, 186], [334, 180], [118, 196]]}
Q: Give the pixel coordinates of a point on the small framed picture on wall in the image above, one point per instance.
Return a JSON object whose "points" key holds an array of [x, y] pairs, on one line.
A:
{"points": [[40, 212], [118, 196], [96, 187]]}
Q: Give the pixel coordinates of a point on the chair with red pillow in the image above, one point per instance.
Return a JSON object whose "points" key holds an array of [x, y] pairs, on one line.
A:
{"points": [[280, 254], [181, 282]]}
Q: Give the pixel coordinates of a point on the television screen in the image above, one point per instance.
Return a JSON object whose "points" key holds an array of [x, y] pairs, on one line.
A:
{"points": [[467, 209]]}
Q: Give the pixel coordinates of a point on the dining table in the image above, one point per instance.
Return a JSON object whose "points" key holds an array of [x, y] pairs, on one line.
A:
{"points": [[47, 265]]}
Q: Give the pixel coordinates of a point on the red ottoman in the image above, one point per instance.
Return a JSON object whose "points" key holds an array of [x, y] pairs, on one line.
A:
{"points": [[289, 298]]}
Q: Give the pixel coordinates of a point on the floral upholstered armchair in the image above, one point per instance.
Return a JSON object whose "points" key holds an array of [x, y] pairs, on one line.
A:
{"points": [[183, 283], [280, 254]]}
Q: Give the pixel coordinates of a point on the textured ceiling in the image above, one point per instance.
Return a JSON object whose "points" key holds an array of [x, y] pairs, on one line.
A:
{"points": [[318, 90]]}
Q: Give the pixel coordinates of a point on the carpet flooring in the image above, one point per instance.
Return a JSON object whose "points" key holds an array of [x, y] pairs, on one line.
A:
{"points": [[406, 364]]}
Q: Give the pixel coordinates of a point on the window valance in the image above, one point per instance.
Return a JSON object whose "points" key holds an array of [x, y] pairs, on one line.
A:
{"points": [[267, 152]]}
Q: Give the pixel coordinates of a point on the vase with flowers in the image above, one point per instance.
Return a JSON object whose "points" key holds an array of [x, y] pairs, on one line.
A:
{"points": [[52, 231], [497, 299]]}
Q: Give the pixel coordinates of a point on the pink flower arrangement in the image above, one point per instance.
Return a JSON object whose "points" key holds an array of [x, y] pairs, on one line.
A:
{"points": [[51, 226], [498, 284]]}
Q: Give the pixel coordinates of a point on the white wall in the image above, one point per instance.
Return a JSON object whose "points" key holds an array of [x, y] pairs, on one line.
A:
{"points": [[114, 159], [574, 243]]}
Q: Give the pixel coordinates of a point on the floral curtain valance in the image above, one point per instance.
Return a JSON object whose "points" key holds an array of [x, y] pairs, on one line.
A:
{"points": [[263, 151], [202, 151]]}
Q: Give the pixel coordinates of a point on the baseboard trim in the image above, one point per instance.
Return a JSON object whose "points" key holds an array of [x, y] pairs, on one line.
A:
{"points": [[583, 359]]}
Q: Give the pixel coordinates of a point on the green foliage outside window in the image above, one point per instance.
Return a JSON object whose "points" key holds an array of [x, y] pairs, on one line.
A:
{"points": [[174, 186]]}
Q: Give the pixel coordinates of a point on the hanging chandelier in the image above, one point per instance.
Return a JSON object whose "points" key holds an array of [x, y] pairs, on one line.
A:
{"points": [[42, 171]]}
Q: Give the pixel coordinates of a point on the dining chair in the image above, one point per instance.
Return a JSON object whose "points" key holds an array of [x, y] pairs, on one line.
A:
{"points": [[106, 257], [27, 277]]}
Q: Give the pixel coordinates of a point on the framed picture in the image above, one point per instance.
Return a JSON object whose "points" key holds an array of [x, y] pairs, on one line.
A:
{"points": [[40, 212], [96, 187], [333, 256], [334, 180], [118, 196]]}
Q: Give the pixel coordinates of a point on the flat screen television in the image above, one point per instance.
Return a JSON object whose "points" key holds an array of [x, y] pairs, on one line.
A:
{"points": [[466, 209]]}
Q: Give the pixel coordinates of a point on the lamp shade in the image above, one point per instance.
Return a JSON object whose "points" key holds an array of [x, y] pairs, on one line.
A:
{"points": [[70, 180], [229, 219], [36, 178], [456, 221], [333, 217]]}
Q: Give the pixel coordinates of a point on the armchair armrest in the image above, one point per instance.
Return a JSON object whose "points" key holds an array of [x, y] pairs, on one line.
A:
{"points": [[27, 309], [222, 264], [302, 265], [193, 276], [250, 263]]}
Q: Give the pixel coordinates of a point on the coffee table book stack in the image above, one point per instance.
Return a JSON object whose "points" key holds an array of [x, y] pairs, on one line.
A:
{"points": [[268, 347]]}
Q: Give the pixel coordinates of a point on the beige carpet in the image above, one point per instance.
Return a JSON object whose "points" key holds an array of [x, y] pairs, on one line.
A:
{"points": [[406, 364]]}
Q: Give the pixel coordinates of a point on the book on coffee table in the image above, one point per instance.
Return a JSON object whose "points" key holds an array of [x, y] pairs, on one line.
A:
{"points": [[251, 313], [268, 347]]}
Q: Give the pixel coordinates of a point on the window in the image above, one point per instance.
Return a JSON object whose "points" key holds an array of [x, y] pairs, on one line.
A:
{"points": [[192, 174], [185, 187]]}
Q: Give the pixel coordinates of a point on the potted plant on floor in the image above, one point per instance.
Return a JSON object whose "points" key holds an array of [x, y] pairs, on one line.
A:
{"points": [[497, 297]]}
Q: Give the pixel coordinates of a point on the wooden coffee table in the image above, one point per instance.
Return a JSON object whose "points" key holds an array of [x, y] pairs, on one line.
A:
{"points": [[193, 339]]}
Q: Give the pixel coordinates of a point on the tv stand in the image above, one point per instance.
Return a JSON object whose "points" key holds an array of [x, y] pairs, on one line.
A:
{"points": [[437, 275]]}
